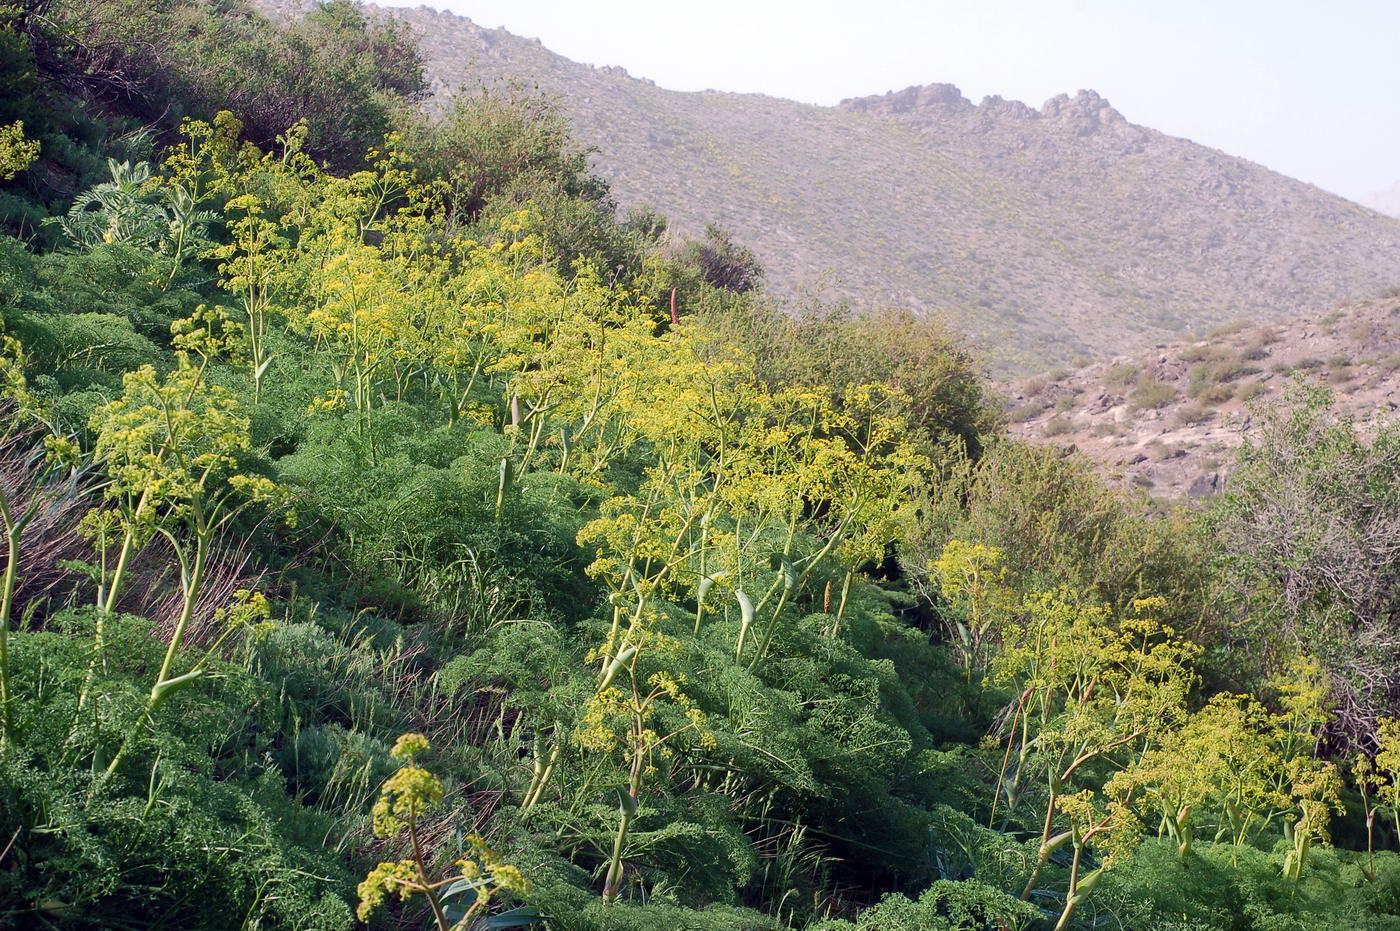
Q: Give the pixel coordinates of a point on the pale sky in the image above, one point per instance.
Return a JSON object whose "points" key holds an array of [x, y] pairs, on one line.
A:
{"points": [[1309, 88]]}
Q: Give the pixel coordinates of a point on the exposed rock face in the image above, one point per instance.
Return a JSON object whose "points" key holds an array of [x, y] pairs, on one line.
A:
{"points": [[931, 101], [1047, 234]]}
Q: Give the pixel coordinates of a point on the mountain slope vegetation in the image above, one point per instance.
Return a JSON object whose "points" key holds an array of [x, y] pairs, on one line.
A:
{"points": [[403, 540], [1047, 234], [1170, 419]]}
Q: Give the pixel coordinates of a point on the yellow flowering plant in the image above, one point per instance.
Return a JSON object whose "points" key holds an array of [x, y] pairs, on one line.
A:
{"points": [[171, 447], [16, 152], [456, 899], [1092, 688]]}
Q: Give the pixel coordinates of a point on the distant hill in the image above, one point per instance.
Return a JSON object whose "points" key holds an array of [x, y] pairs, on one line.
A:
{"points": [[1048, 234], [1387, 201], [1167, 419]]}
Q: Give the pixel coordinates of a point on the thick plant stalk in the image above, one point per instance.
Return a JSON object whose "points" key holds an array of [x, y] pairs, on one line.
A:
{"points": [[745, 621], [1048, 843], [439, 916], [841, 606], [107, 601], [192, 578], [503, 487], [13, 529], [614, 877], [193, 583], [1371, 845], [702, 592], [627, 810], [540, 779], [1079, 888]]}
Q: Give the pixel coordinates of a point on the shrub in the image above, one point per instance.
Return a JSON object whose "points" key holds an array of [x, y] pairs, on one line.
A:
{"points": [[1217, 371], [341, 70], [1026, 411], [1121, 375], [1250, 390], [1152, 393], [944, 906], [1256, 350], [1190, 415]]}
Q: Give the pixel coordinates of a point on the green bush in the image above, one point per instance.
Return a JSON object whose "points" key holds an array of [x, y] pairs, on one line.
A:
{"points": [[1152, 393]]}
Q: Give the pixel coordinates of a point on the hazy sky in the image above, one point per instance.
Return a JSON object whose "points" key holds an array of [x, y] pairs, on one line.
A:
{"points": [[1306, 87]]}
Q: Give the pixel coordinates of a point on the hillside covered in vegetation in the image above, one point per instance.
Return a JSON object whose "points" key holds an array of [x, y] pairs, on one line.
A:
{"points": [[395, 538], [1044, 233], [1170, 419]]}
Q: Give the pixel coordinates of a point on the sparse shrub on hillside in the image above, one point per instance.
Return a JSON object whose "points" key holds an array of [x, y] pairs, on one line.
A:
{"points": [[1250, 390], [1197, 352], [1057, 426], [1191, 415], [1219, 369], [1122, 375], [1152, 393], [1340, 375], [1255, 350], [1227, 329], [1362, 332], [1028, 410], [1215, 394]]}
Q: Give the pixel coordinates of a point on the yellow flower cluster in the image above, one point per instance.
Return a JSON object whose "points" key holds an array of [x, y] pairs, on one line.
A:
{"points": [[406, 796], [385, 879]]}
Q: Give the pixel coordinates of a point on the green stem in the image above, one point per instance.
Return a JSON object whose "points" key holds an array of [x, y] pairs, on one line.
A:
{"points": [[1048, 845], [1072, 896], [439, 916], [7, 597], [614, 877], [162, 687], [532, 797], [193, 584], [841, 608]]}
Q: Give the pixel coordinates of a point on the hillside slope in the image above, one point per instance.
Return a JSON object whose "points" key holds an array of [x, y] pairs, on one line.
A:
{"points": [[1168, 420], [1049, 234]]}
